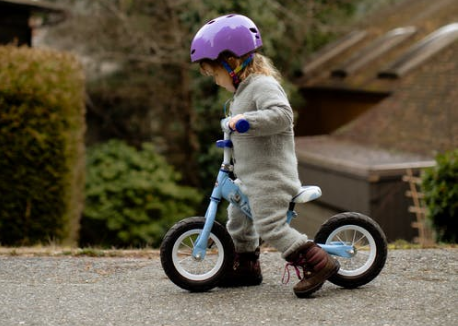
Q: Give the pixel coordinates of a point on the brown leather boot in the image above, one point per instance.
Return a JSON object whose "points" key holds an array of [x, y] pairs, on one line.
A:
{"points": [[246, 270], [317, 267]]}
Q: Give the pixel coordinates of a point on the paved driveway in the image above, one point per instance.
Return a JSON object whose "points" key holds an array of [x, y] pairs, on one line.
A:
{"points": [[417, 287]]}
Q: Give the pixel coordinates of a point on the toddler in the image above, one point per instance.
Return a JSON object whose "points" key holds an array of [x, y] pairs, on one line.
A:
{"points": [[265, 162]]}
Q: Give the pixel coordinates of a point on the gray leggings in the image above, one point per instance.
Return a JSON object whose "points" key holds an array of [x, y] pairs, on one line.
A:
{"points": [[268, 223]]}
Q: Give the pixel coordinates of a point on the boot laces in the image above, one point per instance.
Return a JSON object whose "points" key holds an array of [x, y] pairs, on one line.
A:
{"points": [[299, 263]]}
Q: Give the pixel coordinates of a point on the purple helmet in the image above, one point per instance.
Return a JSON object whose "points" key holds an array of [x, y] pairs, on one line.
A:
{"points": [[234, 33]]}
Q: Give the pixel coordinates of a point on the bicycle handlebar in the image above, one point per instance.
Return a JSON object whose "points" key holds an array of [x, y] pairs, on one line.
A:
{"points": [[241, 126]]}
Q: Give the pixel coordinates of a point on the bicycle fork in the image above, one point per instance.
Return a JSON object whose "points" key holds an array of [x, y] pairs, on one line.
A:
{"points": [[225, 188]]}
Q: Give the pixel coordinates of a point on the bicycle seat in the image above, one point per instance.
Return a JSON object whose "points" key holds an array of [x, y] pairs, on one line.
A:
{"points": [[306, 194]]}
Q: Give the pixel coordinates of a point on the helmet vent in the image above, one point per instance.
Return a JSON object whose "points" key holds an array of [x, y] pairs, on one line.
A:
{"points": [[254, 31], [193, 51], [211, 22]]}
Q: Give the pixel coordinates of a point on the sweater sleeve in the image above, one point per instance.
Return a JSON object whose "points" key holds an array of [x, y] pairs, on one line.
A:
{"points": [[272, 113]]}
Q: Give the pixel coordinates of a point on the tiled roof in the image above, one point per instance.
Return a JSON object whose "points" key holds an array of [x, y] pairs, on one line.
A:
{"points": [[421, 114], [371, 49]]}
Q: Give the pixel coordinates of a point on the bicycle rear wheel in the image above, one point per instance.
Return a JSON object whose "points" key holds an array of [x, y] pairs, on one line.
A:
{"points": [[369, 243]]}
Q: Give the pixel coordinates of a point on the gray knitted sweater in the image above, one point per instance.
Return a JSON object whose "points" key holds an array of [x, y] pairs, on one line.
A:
{"points": [[265, 156]]}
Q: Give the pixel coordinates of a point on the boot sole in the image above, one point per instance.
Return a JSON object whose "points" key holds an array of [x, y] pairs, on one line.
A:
{"points": [[306, 294]]}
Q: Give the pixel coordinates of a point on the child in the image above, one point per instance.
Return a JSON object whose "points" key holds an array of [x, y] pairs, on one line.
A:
{"points": [[265, 162]]}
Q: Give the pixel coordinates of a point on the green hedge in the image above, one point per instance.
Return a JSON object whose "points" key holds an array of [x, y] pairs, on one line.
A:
{"points": [[132, 196], [440, 186], [42, 146]]}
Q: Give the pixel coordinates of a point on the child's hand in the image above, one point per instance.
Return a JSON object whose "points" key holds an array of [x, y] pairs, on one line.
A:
{"points": [[234, 120]]}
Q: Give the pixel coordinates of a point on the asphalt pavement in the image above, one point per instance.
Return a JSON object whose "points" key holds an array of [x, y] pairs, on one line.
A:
{"points": [[417, 287]]}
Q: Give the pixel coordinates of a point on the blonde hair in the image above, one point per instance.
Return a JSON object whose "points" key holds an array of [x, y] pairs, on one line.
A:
{"points": [[261, 65]]}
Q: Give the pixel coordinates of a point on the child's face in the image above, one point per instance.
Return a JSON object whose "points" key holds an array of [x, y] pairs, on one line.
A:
{"points": [[221, 76]]}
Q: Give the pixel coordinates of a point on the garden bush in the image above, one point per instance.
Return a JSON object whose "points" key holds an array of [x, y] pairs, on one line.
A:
{"points": [[440, 186], [132, 196], [42, 146]]}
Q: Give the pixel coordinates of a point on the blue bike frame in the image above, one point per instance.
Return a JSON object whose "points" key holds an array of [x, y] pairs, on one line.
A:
{"points": [[226, 188]]}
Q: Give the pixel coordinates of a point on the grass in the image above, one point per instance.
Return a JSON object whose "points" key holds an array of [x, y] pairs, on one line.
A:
{"points": [[403, 244], [147, 253], [57, 251]]}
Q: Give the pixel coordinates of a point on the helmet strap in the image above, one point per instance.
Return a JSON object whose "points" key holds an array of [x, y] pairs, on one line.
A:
{"points": [[234, 73]]}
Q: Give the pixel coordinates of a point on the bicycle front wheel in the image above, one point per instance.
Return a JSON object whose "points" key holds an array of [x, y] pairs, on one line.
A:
{"points": [[182, 268]]}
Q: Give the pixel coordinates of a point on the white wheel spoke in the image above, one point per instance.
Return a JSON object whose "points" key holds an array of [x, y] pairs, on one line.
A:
{"points": [[361, 238], [185, 245], [184, 259], [340, 239], [354, 237]]}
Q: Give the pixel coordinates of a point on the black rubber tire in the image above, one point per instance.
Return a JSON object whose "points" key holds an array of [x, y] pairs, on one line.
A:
{"points": [[195, 225], [348, 220]]}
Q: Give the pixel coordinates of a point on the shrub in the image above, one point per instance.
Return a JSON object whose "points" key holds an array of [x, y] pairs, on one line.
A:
{"points": [[440, 185], [41, 137], [132, 196]]}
